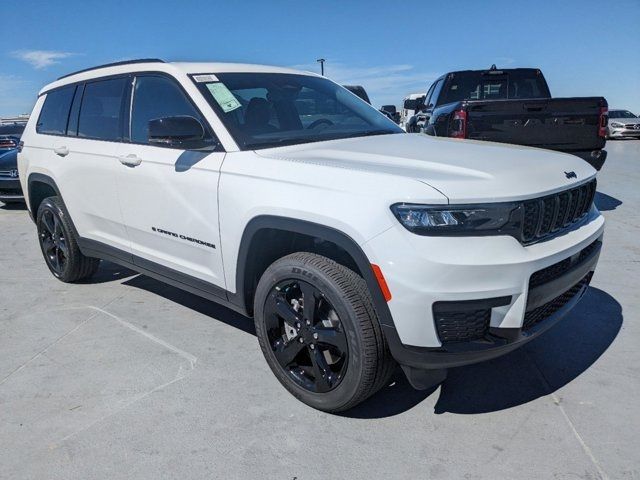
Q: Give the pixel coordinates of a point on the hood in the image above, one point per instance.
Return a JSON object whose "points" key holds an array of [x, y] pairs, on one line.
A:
{"points": [[9, 160], [463, 170]]}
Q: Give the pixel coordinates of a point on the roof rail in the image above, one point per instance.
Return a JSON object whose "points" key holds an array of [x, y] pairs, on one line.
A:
{"points": [[115, 64]]}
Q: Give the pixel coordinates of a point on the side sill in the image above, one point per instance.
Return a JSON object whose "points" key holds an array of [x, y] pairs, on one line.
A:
{"points": [[93, 248]]}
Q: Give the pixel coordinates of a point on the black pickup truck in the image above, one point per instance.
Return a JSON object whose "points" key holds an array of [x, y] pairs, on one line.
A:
{"points": [[513, 106]]}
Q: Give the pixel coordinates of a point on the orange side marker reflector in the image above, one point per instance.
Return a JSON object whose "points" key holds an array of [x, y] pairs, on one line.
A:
{"points": [[386, 293]]}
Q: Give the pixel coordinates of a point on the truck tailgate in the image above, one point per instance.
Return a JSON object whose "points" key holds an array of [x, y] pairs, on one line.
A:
{"points": [[567, 124]]}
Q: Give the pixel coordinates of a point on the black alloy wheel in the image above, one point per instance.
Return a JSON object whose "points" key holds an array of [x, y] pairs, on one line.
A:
{"points": [[53, 242], [306, 335]]}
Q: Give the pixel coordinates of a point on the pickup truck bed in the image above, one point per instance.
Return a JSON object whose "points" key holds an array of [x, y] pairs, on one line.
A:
{"points": [[571, 125], [566, 124]]}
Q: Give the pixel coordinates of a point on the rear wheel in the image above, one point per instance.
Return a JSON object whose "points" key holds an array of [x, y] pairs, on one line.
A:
{"points": [[319, 333], [59, 244]]}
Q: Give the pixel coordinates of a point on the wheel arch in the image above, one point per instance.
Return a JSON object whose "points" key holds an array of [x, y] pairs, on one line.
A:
{"points": [[287, 235], [39, 187]]}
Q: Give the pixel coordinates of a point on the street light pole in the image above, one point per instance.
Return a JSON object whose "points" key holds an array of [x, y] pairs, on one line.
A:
{"points": [[321, 61]]}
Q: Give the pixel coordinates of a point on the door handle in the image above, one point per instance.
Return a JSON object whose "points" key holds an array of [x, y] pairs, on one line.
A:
{"points": [[61, 151], [131, 160]]}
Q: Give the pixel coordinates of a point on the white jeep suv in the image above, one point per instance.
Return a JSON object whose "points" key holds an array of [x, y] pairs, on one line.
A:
{"points": [[280, 194]]}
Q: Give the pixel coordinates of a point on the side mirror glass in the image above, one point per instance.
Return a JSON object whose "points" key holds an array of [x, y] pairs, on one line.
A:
{"points": [[389, 109], [183, 132], [410, 104]]}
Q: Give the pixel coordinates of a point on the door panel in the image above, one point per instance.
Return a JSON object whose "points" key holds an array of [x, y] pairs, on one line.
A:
{"points": [[86, 177], [169, 196], [170, 209]]}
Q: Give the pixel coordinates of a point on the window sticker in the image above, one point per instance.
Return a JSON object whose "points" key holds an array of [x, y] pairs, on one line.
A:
{"points": [[223, 96], [205, 78]]}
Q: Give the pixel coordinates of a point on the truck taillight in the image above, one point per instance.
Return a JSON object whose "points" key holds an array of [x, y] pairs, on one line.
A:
{"points": [[459, 129], [602, 122]]}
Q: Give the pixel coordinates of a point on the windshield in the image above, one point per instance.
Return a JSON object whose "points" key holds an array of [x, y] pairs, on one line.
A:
{"points": [[263, 110], [494, 85], [621, 114]]}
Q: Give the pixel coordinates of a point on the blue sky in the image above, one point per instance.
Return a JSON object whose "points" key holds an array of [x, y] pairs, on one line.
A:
{"points": [[391, 48]]}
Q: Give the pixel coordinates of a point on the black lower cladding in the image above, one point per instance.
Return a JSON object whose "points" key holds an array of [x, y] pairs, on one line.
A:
{"points": [[469, 321], [537, 315], [465, 321]]}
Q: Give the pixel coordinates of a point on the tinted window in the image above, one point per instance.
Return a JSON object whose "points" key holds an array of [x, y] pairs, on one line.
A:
{"points": [[55, 111], [435, 96], [621, 114], [502, 84], [157, 97], [100, 113]]}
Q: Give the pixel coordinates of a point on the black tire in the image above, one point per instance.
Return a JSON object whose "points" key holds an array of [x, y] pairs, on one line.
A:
{"points": [[368, 364], [59, 244]]}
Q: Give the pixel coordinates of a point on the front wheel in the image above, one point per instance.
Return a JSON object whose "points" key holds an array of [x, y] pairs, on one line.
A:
{"points": [[319, 333]]}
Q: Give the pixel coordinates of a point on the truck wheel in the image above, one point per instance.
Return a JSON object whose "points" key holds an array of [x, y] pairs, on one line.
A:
{"points": [[59, 244], [319, 332]]}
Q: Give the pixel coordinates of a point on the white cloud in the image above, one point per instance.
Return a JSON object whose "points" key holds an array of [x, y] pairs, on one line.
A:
{"points": [[40, 59], [385, 84]]}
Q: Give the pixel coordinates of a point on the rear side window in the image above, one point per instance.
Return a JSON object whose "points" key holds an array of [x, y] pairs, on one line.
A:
{"points": [[55, 111], [157, 97], [101, 110]]}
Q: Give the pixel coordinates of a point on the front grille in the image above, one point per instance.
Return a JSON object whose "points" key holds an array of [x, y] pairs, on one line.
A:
{"points": [[560, 268], [462, 326], [8, 174], [544, 216], [543, 312]]}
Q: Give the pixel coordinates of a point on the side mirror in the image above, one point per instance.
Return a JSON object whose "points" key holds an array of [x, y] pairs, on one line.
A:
{"points": [[410, 104], [389, 109], [183, 132]]}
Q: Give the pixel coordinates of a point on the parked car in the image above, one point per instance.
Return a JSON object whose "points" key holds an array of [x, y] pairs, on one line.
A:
{"points": [[352, 244], [515, 106], [359, 91], [412, 104], [10, 190], [623, 124], [391, 112]]}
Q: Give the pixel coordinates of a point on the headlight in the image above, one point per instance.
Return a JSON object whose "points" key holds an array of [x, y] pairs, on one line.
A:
{"points": [[489, 219], [616, 125]]}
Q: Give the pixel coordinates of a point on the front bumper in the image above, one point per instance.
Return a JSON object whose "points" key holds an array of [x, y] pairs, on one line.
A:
{"points": [[10, 189], [624, 133], [423, 272]]}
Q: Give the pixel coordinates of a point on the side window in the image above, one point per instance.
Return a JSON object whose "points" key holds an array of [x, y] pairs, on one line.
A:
{"points": [[55, 111], [436, 92], [101, 110], [157, 97], [427, 98]]}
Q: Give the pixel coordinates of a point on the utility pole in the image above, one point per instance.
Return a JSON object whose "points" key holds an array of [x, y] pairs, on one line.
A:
{"points": [[321, 61]]}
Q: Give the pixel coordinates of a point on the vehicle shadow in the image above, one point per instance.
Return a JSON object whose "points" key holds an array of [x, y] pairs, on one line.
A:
{"points": [[537, 369], [109, 272], [606, 202], [193, 302]]}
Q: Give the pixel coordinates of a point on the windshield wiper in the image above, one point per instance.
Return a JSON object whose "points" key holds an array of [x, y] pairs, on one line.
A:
{"points": [[370, 133]]}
